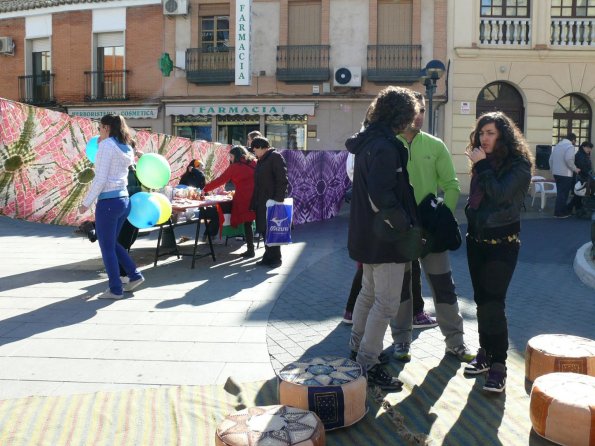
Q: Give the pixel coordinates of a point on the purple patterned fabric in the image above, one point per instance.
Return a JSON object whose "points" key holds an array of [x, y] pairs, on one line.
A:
{"points": [[317, 182]]}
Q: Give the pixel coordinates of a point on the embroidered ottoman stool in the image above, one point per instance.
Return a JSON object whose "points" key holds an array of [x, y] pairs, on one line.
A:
{"points": [[563, 408], [333, 387], [559, 353], [271, 426]]}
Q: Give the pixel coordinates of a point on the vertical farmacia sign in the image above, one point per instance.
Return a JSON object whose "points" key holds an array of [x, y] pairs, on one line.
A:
{"points": [[243, 42]]}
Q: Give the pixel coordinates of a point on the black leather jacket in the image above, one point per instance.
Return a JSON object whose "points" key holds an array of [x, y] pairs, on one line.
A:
{"points": [[504, 195]]}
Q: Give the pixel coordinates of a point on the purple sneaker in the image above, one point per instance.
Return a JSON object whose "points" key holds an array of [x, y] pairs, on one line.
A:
{"points": [[348, 317], [424, 320], [496, 379]]}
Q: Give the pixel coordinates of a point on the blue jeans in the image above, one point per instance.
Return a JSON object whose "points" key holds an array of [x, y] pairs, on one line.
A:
{"points": [[109, 218]]}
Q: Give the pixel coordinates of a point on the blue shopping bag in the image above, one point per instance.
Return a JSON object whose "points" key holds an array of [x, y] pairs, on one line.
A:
{"points": [[279, 217]]}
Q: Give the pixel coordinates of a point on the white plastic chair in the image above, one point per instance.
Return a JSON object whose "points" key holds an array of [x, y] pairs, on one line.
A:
{"points": [[543, 188]]}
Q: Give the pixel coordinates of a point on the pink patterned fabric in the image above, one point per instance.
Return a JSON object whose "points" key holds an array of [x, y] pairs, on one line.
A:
{"points": [[44, 172]]}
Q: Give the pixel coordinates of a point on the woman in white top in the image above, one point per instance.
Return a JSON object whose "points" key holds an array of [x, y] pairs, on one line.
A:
{"points": [[114, 156]]}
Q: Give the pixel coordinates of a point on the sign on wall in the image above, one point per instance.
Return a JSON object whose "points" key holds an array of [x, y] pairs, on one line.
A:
{"points": [[242, 67]]}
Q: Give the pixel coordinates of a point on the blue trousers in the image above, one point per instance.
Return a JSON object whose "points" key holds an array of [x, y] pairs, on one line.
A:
{"points": [[109, 218]]}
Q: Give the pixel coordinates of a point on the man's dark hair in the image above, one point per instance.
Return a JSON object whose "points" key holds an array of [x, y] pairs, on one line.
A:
{"points": [[588, 144], [571, 137], [395, 107], [260, 142]]}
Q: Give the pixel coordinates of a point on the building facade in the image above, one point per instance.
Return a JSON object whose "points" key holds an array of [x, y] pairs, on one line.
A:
{"points": [[533, 59], [303, 72]]}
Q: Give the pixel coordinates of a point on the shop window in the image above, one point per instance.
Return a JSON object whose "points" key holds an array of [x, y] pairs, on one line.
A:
{"points": [[234, 129], [573, 8], [572, 115], [194, 127], [505, 8], [500, 96], [287, 131]]}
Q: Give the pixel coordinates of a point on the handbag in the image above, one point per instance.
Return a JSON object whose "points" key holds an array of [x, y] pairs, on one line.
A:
{"points": [[279, 218], [408, 242]]}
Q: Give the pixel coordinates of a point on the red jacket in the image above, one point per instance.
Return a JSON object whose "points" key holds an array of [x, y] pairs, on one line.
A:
{"points": [[242, 176]]}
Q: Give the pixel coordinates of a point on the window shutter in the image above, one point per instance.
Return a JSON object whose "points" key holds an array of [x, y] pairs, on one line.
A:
{"points": [[304, 23], [213, 9], [40, 45], [110, 39], [394, 22]]}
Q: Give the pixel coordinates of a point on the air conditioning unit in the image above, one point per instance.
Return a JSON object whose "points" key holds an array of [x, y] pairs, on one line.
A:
{"points": [[348, 77], [175, 7], [6, 45]]}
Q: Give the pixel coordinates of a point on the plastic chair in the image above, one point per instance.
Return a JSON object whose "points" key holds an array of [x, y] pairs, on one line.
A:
{"points": [[540, 186]]}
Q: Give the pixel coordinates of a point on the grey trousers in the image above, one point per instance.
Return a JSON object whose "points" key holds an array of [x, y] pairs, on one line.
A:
{"points": [[376, 304], [436, 267]]}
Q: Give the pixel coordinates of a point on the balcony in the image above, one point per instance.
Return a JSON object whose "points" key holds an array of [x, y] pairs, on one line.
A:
{"points": [[574, 32], [37, 89], [215, 65], [503, 31], [303, 63], [394, 63], [106, 85]]}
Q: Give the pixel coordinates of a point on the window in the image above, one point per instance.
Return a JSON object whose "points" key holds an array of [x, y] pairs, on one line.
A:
{"points": [[286, 131], [41, 65], [572, 114], [394, 22], [504, 8], [304, 23], [573, 8], [500, 96], [214, 34], [194, 127]]}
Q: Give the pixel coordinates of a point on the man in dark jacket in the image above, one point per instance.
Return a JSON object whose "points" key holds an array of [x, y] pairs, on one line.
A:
{"points": [[582, 161], [382, 208], [270, 183]]}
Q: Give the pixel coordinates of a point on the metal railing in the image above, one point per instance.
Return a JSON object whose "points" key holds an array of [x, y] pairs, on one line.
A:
{"points": [[210, 66], [106, 85], [37, 89], [502, 31], [389, 63], [303, 63], [573, 32]]}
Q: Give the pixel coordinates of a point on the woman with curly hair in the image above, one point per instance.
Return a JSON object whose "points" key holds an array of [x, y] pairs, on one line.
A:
{"points": [[241, 173], [500, 178], [382, 201]]}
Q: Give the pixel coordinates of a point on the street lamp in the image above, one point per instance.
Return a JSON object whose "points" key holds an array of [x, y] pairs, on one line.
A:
{"points": [[429, 76]]}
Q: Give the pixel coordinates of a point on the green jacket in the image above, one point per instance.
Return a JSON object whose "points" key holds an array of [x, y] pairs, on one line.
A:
{"points": [[430, 168]]}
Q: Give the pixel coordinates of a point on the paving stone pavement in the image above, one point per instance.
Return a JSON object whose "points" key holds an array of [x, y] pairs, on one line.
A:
{"points": [[545, 296]]}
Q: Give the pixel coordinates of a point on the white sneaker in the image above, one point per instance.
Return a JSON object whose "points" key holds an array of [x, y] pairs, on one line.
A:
{"points": [[124, 280], [107, 294], [133, 284]]}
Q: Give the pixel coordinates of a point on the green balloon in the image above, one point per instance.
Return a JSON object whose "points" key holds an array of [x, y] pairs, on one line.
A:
{"points": [[153, 171]]}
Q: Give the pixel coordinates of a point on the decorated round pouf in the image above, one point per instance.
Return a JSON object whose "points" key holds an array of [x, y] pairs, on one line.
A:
{"points": [[333, 387], [563, 408], [559, 353], [271, 426]]}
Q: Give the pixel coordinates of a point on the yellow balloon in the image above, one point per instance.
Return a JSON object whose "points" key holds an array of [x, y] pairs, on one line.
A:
{"points": [[164, 207]]}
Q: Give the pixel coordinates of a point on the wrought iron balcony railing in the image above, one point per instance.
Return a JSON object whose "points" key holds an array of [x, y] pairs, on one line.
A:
{"points": [[573, 32], [394, 63], [37, 89], [504, 31], [303, 63], [106, 85], [210, 66]]}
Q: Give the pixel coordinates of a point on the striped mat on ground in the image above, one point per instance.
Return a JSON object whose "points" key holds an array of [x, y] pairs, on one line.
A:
{"points": [[435, 407]]}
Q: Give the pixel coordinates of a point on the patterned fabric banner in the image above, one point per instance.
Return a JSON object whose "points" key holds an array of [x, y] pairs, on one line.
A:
{"points": [[44, 172]]}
